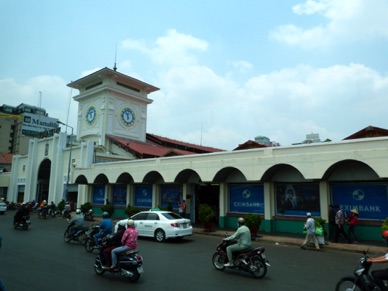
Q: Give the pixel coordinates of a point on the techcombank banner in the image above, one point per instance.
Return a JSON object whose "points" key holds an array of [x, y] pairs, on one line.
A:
{"points": [[34, 124]]}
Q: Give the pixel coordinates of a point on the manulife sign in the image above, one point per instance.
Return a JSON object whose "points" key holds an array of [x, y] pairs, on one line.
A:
{"points": [[34, 124]]}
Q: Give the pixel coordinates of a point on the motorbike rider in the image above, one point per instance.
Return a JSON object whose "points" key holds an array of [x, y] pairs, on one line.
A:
{"points": [[243, 236], [106, 227], [66, 209], [128, 241], [77, 222], [382, 274], [22, 211], [112, 242], [42, 208]]}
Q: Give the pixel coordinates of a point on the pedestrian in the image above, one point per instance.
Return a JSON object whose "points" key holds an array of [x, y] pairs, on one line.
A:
{"points": [[339, 225], [310, 235], [182, 208], [352, 225], [331, 215]]}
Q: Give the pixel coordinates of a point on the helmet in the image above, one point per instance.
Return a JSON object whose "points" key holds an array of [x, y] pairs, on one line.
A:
{"points": [[78, 211], [130, 223], [241, 221], [105, 214]]}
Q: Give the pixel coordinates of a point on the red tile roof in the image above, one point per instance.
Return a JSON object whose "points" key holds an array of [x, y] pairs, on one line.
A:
{"points": [[250, 144], [6, 158], [369, 131], [157, 147]]}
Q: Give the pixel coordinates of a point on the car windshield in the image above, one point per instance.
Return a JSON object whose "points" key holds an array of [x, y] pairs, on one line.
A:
{"points": [[171, 215]]}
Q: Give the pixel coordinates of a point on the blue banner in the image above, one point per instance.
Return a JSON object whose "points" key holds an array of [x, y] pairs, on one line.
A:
{"points": [[370, 200], [98, 194], [171, 196], [246, 198], [119, 193], [297, 199], [143, 196]]}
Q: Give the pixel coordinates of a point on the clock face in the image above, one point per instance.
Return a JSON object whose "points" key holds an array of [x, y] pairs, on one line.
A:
{"points": [[91, 115], [127, 116]]}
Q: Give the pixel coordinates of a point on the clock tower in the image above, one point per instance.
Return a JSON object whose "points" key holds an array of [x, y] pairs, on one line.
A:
{"points": [[111, 103]]}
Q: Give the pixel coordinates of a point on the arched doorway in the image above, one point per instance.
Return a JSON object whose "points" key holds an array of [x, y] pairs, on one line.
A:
{"points": [[42, 188]]}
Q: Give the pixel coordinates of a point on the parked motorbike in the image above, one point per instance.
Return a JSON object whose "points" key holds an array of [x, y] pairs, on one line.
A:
{"points": [[77, 235], [90, 244], [88, 216], [129, 264], [252, 260], [23, 223], [361, 280]]}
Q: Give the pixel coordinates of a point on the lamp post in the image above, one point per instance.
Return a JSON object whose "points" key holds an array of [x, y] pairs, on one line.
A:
{"points": [[66, 189]]}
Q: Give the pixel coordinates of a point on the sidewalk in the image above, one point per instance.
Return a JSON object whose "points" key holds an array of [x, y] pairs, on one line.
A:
{"points": [[288, 239]]}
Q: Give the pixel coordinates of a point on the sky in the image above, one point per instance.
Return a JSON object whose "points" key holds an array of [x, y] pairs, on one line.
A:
{"points": [[228, 71]]}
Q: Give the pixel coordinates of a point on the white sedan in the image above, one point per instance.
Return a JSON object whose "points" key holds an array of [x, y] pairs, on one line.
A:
{"points": [[161, 225], [3, 207]]}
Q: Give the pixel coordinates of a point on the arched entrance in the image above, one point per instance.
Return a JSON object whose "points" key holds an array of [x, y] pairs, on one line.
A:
{"points": [[42, 187]]}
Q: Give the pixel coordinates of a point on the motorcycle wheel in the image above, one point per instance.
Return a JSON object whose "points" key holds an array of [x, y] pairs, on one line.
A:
{"points": [[348, 284], [82, 238], [25, 227], [98, 267], [135, 277], [160, 236], [67, 236], [89, 245], [258, 268], [218, 261]]}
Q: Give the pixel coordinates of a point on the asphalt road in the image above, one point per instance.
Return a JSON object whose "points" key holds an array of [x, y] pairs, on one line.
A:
{"points": [[39, 259]]}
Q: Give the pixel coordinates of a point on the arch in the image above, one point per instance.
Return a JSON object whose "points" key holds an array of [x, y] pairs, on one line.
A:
{"points": [[101, 179], [283, 173], [350, 170], [187, 175], [81, 179], [229, 174], [44, 170], [125, 178], [153, 177]]}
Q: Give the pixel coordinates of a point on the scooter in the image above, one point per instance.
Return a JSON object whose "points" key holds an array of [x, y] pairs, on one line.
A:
{"points": [[361, 280], [78, 235], [252, 260], [88, 216], [23, 223], [90, 244], [129, 264]]}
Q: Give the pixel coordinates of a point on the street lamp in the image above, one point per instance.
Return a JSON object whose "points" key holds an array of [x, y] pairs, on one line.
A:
{"points": [[66, 189]]}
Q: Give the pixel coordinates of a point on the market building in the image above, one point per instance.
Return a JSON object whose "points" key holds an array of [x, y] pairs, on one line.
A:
{"points": [[115, 158]]}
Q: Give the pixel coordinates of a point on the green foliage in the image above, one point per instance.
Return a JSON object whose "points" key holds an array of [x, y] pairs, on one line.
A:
{"points": [[108, 208], [252, 220], [86, 207], [205, 213], [131, 210], [384, 226], [61, 205]]}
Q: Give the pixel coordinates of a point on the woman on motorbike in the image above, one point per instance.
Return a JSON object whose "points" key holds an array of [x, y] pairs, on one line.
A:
{"points": [[112, 242], [128, 241]]}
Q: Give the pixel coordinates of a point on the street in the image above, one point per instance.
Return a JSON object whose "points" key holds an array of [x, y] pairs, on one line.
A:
{"points": [[39, 259]]}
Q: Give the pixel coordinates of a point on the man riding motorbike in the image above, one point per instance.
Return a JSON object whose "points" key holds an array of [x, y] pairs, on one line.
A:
{"points": [[106, 227], [112, 242], [128, 241], [22, 211], [243, 236], [77, 222]]}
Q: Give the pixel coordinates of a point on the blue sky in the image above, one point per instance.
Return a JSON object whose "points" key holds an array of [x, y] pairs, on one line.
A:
{"points": [[228, 70]]}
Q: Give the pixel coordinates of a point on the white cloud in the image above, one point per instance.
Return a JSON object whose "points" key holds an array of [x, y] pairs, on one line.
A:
{"points": [[346, 21]]}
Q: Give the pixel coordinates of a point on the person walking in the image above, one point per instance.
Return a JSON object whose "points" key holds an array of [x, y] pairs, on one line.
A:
{"points": [[352, 225], [182, 208], [331, 216], [310, 236], [339, 224]]}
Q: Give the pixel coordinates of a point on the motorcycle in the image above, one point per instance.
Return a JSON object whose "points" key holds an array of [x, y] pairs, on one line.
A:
{"points": [[23, 223], [129, 264], [361, 280], [88, 216], [90, 244], [52, 212], [42, 212], [66, 214], [77, 235], [252, 260]]}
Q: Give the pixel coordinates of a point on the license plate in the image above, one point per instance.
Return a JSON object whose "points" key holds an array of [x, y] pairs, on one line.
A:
{"points": [[140, 269], [184, 225]]}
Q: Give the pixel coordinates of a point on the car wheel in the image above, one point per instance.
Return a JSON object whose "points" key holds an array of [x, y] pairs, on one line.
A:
{"points": [[160, 235]]}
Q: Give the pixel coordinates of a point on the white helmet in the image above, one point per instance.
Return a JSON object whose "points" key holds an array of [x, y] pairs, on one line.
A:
{"points": [[78, 211], [130, 223]]}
